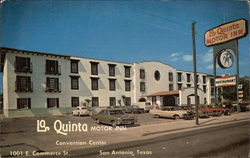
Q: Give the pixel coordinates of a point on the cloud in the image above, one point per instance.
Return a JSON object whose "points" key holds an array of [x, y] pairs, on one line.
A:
{"points": [[208, 57], [187, 57], [174, 54], [174, 59]]}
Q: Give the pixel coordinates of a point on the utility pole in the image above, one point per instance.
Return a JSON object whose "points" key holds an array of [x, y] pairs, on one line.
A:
{"points": [[195, 77]]}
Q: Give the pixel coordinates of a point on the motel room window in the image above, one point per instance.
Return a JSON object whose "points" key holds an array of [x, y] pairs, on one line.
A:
{"points": [[188, 85], [111, 69], [204, 79], [23, 84], [74, 66], [95, 101], [112, 101], [94, 68], [74, 101], [127, 85], [188, 77], [179, 75], [171, 87], [142, 86], [52, 67], [142, 74], [204, 88], [112, 84], [94, 83], [179, 86], [212, 82], [74, 82], [23, 103], [127, 71], [53, 84], [212, 91], [127, 101], [170, 76], [23, 64], [52, 102], [197, 78]]}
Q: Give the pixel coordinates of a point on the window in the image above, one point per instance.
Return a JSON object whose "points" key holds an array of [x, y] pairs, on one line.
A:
{"points": [[74, 101], [23, 64], [157, 75], [23, 84], [95, 101], [127, 71], [127, 101], [212, 91], [179, 86], [212, 82], [94, 83], [142, 86], [52, 102], [204, 79], [179, 75], [112, 69], [188, 77], [53, 85], [127, 85], [197, 78], [188, 85], [23, 103], [171, 87], [52, 67], [204, 88], [74, 82], [112, 84], [94, 68], [170, 76], [142, 74], [112, 101], [74, 66]]}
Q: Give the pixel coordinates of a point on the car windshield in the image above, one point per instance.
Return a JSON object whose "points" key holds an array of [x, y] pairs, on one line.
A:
{"points": [[116, 112]]}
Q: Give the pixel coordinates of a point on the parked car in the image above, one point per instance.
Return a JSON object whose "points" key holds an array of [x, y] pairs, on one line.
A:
{"points": [[133, 109], [113, 117], [81, 111], [145, 105], [170, 112]]}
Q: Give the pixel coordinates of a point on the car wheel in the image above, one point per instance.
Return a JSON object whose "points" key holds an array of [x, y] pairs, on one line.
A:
{"points": [[97, 121], [114, 124], [157, 116], [177, 117]]}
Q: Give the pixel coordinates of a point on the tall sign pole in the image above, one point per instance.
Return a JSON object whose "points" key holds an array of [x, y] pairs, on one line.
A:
{"points": [[224, 39], [195, 76]]}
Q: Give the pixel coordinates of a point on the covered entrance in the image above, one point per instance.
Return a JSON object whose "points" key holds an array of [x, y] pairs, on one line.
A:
{"points": [[166, 98]]}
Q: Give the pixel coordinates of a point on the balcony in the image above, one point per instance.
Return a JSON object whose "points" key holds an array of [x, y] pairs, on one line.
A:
{"points": [[54, 89], [27, 87], [19, 68], [53, 70]]}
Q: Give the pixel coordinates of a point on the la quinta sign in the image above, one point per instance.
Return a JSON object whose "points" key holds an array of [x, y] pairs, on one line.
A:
{"points": [[226, 32]]}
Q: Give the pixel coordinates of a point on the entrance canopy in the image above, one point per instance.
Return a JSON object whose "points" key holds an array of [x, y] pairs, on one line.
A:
{"points": [[165, 93]]}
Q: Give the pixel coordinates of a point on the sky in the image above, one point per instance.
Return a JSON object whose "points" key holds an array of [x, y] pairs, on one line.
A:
{"points": [[122, 30]]}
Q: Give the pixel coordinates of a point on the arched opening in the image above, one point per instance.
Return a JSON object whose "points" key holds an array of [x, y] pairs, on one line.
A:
{"points": [[191, 99], [142, 100]]}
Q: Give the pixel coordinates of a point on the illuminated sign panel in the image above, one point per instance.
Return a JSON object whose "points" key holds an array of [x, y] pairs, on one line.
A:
{"points": [[226, 32], [225, 81]]}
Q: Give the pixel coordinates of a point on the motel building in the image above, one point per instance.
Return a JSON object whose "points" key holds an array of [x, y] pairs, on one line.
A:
{"points": [[36, 83]]}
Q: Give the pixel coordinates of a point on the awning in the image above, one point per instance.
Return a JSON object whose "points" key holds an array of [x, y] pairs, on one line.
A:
{"points": [[176, 92]]}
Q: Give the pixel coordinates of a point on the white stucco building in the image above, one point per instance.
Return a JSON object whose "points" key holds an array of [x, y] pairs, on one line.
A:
{"points": [[36, 83]]}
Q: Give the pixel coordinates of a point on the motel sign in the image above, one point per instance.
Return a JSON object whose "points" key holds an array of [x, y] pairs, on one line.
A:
{"points": [[226, 32]]}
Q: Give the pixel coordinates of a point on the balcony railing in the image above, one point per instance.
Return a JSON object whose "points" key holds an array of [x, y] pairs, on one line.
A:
{"points": [[56, 88], [23, 68], [53, 70], [27, 87]]}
